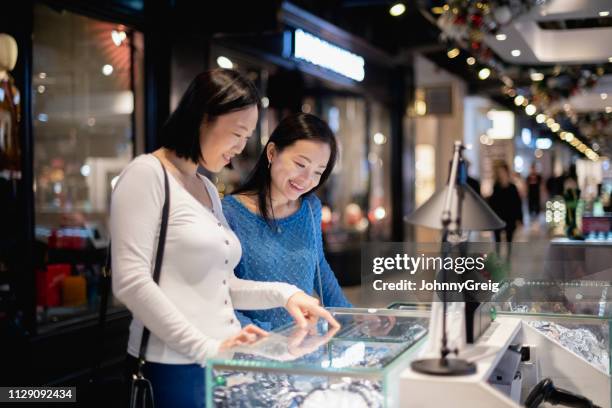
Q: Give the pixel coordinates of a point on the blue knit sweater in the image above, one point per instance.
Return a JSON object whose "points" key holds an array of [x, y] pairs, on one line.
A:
{"points": [[287, 252]]}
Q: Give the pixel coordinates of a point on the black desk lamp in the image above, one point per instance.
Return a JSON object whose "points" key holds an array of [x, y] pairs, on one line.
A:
{"points": [[452, 209]]}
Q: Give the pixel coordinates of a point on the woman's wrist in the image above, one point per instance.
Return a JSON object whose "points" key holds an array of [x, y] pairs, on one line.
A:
{"points": [[287, 292]]}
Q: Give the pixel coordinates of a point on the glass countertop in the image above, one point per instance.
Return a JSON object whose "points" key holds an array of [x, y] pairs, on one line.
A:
{"points": [[368, 339]]}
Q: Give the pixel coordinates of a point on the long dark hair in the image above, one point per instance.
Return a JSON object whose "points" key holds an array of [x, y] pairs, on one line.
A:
{"points": [[300, 126], [211, 94]]}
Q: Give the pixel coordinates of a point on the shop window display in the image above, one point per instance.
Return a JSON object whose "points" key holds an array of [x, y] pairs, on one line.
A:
{"points": [[85, 78]]}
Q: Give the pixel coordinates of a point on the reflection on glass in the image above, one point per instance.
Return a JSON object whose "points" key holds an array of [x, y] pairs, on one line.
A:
{"points": [[83, 105], [533, 296]]}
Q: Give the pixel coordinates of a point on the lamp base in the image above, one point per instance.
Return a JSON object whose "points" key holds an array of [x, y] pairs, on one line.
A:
{"points": [[447, 366]]}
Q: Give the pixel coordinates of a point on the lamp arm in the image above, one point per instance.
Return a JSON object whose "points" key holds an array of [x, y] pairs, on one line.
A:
{"points": [[446, 211]]}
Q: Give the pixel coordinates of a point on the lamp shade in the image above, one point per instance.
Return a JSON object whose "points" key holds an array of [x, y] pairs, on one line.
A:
{"points": [[476, 215]]}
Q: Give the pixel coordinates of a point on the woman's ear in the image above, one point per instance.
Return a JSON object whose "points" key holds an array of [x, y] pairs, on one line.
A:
{"points": [[271, 151]]}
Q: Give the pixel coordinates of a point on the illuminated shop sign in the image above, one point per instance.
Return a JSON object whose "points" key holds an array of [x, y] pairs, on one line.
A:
{"points": [[319, 52]]}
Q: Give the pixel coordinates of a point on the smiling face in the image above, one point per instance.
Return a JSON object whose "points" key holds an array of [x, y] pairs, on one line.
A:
{"points": [[225, 137], [296, 169]]}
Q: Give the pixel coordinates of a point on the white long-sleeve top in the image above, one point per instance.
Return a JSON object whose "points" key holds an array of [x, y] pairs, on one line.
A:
{"points": [[191, 311]]}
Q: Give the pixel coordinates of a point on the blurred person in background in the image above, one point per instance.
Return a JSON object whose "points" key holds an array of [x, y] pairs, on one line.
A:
{"points": [[506, 201], [534, 183]]}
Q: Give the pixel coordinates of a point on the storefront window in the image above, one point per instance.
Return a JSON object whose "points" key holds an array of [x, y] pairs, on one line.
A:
{"points": [[84, 76], [380, 162], [346, 193]]}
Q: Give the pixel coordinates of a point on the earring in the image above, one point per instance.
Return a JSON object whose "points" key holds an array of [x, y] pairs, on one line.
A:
{"points": [[269, 164]]}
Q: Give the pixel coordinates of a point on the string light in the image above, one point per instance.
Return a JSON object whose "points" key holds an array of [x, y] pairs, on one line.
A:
{"points": [[568, 137], [484, 73], [397, 9], [518, 100], [453, 52]]}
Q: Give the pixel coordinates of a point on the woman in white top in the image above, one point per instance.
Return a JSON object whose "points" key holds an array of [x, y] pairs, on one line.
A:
{"points": [[190, 314]]}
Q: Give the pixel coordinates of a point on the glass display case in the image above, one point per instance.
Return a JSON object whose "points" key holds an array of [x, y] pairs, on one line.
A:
{"points": [[534, 296], [575, 314], [354, 366], [572, 350]]}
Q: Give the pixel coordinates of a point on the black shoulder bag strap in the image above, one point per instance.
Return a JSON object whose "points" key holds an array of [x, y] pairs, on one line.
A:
{"points": [[158, 264], [106, 279]]}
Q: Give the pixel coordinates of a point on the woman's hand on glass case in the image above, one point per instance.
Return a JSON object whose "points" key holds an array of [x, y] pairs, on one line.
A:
{"points": [[248, 335], [306, 311]]}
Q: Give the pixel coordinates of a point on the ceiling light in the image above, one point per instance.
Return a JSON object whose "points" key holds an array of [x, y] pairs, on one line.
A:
{"points": [[541, 118], [604, 13], [518, 101], [118, 37], [515, 53], [484, 73], [471, 60], [550, 122], [420, 107], [225, 62], [555, 127], [85, 170], [397, 9], [107, 69], [543, 143], [379, 139], [379, 213], [537, 76], [501, 37], [530, 109], [569, 136], [453, 52], [603, 96]]}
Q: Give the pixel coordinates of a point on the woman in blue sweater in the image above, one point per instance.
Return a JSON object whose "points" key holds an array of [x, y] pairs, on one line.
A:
{"points": [[277, 216]]}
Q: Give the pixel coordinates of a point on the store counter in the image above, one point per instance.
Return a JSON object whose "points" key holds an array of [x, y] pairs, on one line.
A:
{"points": [[357, 367], [367, 363]]}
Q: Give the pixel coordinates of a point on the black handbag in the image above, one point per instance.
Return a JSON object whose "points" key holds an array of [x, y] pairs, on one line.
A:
{"points": [[140, 389]]}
